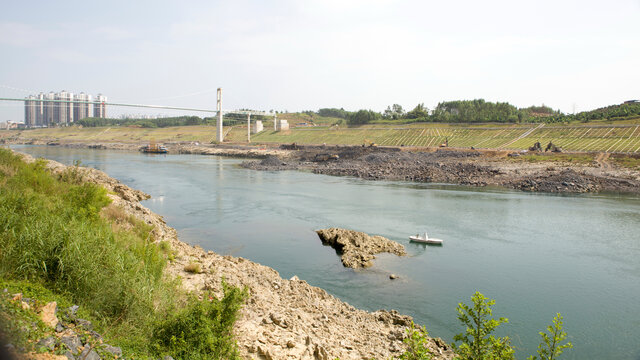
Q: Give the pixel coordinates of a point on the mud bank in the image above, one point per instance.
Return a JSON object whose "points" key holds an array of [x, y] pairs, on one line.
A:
{"points": [[448, 166], [282, 319], [238, 151], [463, 167]]}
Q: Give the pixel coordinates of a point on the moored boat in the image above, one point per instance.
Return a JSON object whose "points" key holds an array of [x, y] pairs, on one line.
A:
{"points": [[154, 148], [425, 240]]}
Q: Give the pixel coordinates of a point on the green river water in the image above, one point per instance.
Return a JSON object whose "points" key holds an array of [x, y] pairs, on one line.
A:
{"points": [[535, 254]]}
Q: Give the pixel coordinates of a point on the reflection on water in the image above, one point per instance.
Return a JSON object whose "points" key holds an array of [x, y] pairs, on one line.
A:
{"points": [[535, 254]]}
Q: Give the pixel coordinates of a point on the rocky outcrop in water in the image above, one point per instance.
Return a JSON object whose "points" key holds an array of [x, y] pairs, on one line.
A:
{"points": [[358, 249]]}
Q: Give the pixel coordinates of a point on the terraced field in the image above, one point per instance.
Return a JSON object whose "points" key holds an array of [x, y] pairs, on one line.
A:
{"points": [[621, 138], [618, 138]]}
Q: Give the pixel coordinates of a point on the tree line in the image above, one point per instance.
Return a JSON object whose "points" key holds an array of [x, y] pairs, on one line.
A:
{"points": [[458, 111], [229, 119], [478, 111]]}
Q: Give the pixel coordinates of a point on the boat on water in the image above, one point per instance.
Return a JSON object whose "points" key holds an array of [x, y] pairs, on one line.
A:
{"points": [[154, 148], [425, 239]]}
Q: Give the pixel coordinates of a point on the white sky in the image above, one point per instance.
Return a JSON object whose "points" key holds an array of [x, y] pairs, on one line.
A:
{"points": [[304, 55]]}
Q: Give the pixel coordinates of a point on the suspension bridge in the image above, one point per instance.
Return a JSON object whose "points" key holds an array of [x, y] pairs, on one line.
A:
{"points": [[219, 111]]}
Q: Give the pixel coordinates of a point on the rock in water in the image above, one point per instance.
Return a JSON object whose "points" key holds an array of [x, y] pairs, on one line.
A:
{"points": [[357, 248]]}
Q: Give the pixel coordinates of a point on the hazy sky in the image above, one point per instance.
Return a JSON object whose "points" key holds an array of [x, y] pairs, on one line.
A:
{"points": [[304, 55]]}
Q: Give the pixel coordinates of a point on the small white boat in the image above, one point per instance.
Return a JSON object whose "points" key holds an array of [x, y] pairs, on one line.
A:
{"points": [[425, 240]]}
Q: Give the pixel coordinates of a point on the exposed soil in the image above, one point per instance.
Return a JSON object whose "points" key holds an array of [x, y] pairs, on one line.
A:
{"points": [[428, 165], [451, 166]]}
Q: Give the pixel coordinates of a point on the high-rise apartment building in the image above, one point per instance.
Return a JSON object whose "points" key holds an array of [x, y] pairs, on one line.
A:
{"points": [[64, 108], [81, 106], [49, 107], [30, 111], [39, 109], [61, 109], [99, 106]]}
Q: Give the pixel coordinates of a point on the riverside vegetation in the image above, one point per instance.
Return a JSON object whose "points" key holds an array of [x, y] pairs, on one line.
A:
{"points": [[61, 240], [477, 342]]}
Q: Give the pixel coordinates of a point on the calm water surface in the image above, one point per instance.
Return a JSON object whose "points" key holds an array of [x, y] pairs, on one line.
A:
{"points": [[535, 254]]}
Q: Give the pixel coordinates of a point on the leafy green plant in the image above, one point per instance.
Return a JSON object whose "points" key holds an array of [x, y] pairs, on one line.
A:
{"points": [[477, 342], [202, 329], [551, 346], [416, 342]]}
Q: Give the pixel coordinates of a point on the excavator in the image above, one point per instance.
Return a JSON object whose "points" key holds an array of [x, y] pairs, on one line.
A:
{"points": [[369, 143]]}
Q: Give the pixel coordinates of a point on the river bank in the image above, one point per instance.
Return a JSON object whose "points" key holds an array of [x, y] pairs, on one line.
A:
{"points": [[282, 318], [530, 171]]}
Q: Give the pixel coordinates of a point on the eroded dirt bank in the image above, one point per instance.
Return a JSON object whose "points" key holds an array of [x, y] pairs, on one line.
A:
{"points": [[282, 319], [435, 165], [450, 166]]}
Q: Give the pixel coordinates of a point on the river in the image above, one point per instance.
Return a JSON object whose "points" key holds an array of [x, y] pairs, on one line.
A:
{"points": [[535, 254]]}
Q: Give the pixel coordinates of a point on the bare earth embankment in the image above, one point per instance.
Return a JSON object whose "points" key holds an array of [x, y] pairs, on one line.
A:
{"points": [[282, 319], [541, 172], [530, 171]]}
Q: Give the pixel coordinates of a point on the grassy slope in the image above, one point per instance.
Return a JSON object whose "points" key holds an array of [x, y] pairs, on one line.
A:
{"points": [[61, 240]]}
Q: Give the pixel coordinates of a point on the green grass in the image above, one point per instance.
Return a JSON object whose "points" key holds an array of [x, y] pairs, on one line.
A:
{"points": [[631, 162], [555, 158], [61, 234]]}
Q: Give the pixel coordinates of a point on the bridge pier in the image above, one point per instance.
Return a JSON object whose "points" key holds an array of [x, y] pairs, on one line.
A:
{"points": [[248, 128]]}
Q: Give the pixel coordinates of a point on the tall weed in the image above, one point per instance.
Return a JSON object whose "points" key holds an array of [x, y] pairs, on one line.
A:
{"points": [[51, 234]]}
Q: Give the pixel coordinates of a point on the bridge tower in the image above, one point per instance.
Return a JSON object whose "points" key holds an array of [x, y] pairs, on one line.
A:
{"points": [[219, 134]]}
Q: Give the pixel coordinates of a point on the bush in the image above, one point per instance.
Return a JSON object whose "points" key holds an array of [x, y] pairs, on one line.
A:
{"points": [[202, 329], [551, 346], [416, 342], [478, 343]]}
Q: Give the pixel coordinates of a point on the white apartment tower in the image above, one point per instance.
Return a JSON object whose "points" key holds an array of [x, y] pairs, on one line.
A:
{"points": [[40, 109], [49, 107], [99, 106], [63, 109], [30, 111], [81, 106]]}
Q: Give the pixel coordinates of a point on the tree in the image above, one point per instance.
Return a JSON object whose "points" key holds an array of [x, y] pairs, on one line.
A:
{"points": [[418, 112], [394, 112], [477, 341], [363, 117], [550, 347]]}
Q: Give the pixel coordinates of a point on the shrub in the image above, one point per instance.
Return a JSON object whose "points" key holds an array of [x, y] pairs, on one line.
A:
{"points": [[551, 346], [202, 329], [416, 342], [478, 343]]}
